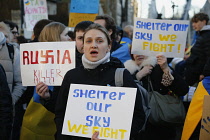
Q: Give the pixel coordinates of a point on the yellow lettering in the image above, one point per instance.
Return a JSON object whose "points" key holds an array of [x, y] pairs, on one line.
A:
{"points": [[173, 38], [163, 48], [156, 47], [164, 37], [170, 47], [114, 134], [122, 133], [84, 129], [145, 44], [74, 127], [106, 134]]}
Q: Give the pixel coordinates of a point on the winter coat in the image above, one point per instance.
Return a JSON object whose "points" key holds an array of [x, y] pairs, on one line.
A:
{"points": [[178, 87], [103, 75], [5, 107], [200, 54], [12, 69]]}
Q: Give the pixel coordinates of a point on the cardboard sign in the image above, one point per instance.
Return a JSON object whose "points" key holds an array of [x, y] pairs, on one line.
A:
{"points": [[35, 10], [75, 18], [108, 110], [152, 37], [205, 122], [84, 6], [46, 62]]}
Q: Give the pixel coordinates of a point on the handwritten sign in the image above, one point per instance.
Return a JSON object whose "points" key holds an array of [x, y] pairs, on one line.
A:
{"points": [[46, 62], [84, 6], [108, 110], [75, 18], [35, 10], [152, 37]]}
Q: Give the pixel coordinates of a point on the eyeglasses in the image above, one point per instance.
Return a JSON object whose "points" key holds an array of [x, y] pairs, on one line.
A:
{"points": [[15, 33]]}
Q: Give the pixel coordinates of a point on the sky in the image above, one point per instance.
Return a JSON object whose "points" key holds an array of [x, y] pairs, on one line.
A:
{"points": [[166, 5]]}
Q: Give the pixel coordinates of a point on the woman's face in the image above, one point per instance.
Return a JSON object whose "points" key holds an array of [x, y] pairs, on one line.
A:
{"points": [[95, 45], [139, 58], [64, 35]]}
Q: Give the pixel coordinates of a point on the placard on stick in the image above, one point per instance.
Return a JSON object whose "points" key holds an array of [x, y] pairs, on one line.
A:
{"points": [[108, 110]]}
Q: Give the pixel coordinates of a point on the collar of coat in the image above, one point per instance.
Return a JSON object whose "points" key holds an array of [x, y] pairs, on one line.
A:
{"points": [[132, 67]]}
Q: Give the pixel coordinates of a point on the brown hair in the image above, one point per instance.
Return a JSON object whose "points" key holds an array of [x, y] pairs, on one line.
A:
{"points": [[109, 24], [200, 17], [51, 32], [100, 28]]}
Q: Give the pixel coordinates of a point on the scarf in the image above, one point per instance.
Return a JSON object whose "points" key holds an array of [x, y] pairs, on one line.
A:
{"points": [[92, 65]]}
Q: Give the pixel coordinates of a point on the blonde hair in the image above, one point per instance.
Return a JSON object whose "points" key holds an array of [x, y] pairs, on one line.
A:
{"points": [[4, 27], [51, 32]]}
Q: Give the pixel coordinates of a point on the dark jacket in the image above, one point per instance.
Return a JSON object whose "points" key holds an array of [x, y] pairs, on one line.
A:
{"points": [[102, 75], [178, 87], [6, 109], [200, 53]]}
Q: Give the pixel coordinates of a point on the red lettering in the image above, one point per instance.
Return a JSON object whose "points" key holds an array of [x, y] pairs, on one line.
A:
{"points": [[58, 56], [58, 71], [36, 57], [66, 56], [52, 72], [36, 77], [47, 56], [25, 57], [43, 77]]}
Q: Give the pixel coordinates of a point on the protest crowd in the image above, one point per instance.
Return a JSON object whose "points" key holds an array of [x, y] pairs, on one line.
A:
{"points": [[102, 48]]}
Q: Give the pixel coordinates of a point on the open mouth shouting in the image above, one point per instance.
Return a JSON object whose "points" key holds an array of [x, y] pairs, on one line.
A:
{"points": [[94, 53]]}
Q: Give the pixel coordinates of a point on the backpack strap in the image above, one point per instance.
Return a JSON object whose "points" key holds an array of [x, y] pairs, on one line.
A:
{"points": [[11, 51], [119, 77]]}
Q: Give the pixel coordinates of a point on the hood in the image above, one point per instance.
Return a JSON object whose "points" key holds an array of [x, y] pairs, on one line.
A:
{"points": [[206, 27], [132, 67]]}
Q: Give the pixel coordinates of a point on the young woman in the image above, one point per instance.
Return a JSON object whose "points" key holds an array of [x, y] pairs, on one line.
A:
{"points": [[164, 80], [98, 69]]}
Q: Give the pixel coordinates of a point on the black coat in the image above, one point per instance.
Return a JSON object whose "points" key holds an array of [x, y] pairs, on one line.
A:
{"points": [[104, 74], [6, 108], [200, 53]]}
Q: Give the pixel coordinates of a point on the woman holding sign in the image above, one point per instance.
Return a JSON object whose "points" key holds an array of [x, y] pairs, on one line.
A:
{"points": [[98, 69], [164, 80]]}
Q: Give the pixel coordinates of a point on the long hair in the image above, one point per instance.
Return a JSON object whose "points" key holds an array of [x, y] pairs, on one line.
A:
{"points": [[51, 32]]}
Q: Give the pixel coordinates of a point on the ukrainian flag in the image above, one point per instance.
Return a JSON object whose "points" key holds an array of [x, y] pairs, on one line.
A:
{"points": [[38, 122], [195, 110]]}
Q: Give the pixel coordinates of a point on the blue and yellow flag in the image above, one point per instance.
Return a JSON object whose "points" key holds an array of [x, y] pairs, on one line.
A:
{"points": [[38, 122], [195, 110]]}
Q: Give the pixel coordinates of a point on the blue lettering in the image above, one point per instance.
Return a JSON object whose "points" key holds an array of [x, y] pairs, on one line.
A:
{"points": [[83, 93], [148, 25], [91, 92], [144, 36], [120, 95], [138, 24], [89, 106], [112, 95], [104, 94], [76, 92], [107, 122], [88, 118], [106, 107], [96, 122]]}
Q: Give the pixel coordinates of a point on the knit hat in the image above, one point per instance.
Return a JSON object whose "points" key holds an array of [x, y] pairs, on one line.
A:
{"points": [[2, 38]]}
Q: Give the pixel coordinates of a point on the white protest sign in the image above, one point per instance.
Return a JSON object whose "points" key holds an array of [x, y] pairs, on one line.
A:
{"points": [[46, 62], [35, 10], [152, 37], [108, 110]]}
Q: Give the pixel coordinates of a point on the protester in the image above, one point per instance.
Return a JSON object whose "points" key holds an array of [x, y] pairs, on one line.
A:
{"points": [[192, 126], [13, 29], [200, 52], [38, 28], [98, 69], [6, 108], [52, 32], [117, 50], [164, 80]]}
